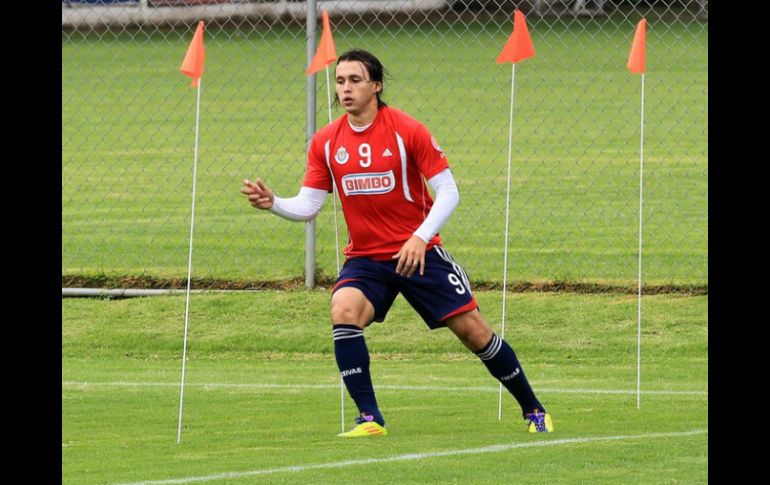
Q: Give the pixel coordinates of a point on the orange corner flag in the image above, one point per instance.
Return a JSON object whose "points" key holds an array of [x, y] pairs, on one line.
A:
{"points": [[325, 54], [519, 45], [192, 65], [636, 57]]}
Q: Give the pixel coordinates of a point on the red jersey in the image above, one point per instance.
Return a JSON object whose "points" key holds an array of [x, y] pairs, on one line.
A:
{"points": [[380, 175]]}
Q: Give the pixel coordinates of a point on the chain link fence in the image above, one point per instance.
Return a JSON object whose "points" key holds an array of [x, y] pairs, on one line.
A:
{"points": [[128, 119]]}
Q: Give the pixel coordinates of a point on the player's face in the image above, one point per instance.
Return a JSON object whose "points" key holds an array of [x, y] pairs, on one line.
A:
{"points": [[355, 90]]}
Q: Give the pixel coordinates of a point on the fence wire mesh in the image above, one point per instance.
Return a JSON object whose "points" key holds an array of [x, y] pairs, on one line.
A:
{"points": [[128, 121]]}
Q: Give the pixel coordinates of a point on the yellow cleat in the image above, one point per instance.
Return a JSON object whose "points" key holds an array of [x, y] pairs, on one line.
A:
{"points": [[539, 422], [368, 428]]}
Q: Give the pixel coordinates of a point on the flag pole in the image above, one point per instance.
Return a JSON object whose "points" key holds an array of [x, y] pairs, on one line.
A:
{"points": [[189, 262], [192, 66], [334, 186], [518, 47], [507, 211], [639, 277], [636, 64], [328, 93], [336, 243], [325, 55]]}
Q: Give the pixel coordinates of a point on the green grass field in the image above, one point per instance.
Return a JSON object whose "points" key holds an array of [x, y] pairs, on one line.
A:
{"points": [[128, 132], [262, 395]]}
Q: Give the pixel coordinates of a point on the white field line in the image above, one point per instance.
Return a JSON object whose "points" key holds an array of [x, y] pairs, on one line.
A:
{"points": [[214, 385], [416, 456]]}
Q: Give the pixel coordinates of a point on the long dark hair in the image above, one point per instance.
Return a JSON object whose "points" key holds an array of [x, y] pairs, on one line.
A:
{"points": [[373, 66]]}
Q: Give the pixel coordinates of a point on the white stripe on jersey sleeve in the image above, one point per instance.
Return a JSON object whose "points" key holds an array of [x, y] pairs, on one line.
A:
{"points": [[404, 180], [327, 149]]}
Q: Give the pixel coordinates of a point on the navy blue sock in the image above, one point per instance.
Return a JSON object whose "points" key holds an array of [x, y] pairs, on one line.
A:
{"points": [[353, 363], [502, 363]]}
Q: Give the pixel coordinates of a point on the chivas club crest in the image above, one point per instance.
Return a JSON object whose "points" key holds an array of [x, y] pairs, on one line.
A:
{"points": [[341, 156]]}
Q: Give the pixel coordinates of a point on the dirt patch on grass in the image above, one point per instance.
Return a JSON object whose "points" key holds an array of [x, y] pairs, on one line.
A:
{"points": [[150, 282]]}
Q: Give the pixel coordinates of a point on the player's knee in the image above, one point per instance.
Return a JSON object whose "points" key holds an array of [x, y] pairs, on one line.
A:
{"points": [[479, 337], [345, 313], [471, 329], [350, 306], [349, 312]]}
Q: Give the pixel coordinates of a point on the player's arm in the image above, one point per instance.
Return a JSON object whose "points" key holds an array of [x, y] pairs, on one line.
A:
{"points": [[412, 253], [303, 207], [447, 198]]}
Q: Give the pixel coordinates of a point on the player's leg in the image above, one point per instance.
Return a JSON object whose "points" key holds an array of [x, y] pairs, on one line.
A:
{"points": [[501, 361], [358, 299], [351, 312], [443, 297]]}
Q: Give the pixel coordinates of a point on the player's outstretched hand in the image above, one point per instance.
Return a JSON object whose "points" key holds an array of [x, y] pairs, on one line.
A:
{"points": [[259, 194], [411, 256]]}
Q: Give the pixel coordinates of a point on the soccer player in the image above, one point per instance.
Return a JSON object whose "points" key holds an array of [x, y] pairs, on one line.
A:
{"points": [[379, 159]]}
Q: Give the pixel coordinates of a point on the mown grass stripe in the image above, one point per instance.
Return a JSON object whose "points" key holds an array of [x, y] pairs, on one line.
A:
{"points": [[417, 456], [383, 386]]}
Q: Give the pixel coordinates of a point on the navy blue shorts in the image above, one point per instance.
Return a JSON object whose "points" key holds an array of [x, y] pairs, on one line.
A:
{"points": [[442, 292]]}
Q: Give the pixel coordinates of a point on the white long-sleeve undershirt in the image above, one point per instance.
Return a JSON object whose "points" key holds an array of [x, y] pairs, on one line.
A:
{"points": [[447, 198], [305, 205]]}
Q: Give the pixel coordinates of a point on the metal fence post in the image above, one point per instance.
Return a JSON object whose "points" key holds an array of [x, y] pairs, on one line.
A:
{"points": [[310, 236]]}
